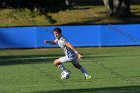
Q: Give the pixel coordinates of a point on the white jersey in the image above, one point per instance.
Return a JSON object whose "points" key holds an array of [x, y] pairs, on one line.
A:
{"points": [[68, 51]]}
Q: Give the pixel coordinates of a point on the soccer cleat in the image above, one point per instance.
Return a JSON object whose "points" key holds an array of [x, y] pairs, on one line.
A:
{"points": [[88, 77]]}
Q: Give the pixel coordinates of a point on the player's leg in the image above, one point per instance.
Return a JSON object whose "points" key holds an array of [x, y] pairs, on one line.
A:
{"points": [[59, 62], [81, 68], [60, 65]]}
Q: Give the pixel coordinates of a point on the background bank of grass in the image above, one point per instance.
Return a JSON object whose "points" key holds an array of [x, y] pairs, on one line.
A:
{"points": [[75, 15]]}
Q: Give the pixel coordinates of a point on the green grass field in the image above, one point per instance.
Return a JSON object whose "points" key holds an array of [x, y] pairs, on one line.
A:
{"points": [[114, 70]]}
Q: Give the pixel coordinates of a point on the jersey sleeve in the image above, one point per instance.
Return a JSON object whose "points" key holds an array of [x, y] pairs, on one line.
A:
{"points": [[64, 41], [56, 40]]}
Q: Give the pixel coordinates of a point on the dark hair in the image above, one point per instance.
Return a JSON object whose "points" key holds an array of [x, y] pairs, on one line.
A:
{"points": [[57, 29]]}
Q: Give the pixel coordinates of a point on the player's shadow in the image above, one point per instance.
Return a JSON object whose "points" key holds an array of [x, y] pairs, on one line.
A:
{"points": [[27, 59], [127, 89]]}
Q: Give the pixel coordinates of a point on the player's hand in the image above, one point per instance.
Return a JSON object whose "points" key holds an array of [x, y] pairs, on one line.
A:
{"points": [[46, 41], [79, 56]]}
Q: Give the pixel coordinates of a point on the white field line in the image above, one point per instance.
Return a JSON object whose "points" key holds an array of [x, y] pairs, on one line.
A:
{"points": [[26, 58]]}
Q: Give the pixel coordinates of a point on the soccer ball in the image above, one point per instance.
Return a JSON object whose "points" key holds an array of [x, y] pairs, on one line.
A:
{"points": [[65, 74]]}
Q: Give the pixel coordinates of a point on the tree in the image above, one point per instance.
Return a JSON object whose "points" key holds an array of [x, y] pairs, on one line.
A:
{"points": [[118, 8]]}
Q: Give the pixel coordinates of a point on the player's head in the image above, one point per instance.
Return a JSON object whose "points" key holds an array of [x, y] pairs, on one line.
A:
{"points": [[57, 29], [57, 32]]}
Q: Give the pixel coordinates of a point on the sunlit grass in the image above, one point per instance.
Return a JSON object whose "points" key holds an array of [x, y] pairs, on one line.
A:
{"points": [[25, 71], [72, 16]]}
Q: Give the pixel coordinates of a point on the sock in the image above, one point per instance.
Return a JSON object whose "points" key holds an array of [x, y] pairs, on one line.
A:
{"points": [[61, 66], [82, 69]]}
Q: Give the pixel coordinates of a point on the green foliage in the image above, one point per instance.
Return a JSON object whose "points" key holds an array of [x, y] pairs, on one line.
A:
{"points": [[17, 14], [30, 4], [20, 17]]}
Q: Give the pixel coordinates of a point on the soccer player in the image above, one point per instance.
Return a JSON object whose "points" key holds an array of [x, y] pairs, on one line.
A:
{"points": [[71, 53]]}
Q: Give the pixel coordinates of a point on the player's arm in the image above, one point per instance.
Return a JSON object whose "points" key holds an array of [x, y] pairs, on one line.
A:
{"points": [[50, 42], [74, 49]]}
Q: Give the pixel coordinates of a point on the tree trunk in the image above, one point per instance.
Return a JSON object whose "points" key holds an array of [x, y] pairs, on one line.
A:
{"points": [[119, 8], [110, 6]]}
